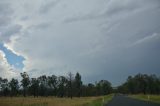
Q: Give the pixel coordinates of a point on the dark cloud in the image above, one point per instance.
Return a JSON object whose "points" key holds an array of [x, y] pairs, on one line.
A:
{"points": [[112, 8], [12, 30], [5, 14], [9, 31], [48, 5], [98, 38], [7, 27]]}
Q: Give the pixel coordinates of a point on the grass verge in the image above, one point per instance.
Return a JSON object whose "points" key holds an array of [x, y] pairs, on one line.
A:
{"points": [[150, 98], [101, 101], [53, 101]]}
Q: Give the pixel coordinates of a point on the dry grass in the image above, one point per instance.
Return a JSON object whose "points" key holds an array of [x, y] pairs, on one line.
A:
{"points": [[46, 101]]}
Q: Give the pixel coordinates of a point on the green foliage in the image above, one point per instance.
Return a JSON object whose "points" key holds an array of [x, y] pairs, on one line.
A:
{"points": [[43, 84], [141, 83], [78, 85], [53, 83], [34, 87], [151, 98], [61, 86], [25, 82], [4, 87], [14, 86], [71, 86]]}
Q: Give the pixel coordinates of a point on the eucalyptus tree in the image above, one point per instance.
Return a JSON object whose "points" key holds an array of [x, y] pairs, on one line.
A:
{"points": [[4, 87], [14, 86], [25, 82], [43, 85], [78, 85], [34, 86], [70, 84], [53, 82], [62, 83]]}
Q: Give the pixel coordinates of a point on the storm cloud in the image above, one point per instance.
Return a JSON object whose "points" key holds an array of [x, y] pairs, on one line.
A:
{"points": [[101, 39]]}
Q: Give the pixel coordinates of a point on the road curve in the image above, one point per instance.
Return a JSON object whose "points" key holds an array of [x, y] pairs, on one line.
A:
{"points": [[120, 100]]}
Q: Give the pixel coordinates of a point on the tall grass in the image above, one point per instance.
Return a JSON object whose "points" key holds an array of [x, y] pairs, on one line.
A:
{"points": [[53, 101]]}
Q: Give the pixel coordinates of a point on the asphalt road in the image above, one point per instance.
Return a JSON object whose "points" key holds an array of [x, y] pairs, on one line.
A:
{"points": [[120, 100]]}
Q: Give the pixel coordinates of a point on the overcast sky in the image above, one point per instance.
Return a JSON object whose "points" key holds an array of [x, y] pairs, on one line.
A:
{"points": [[100, 39]]}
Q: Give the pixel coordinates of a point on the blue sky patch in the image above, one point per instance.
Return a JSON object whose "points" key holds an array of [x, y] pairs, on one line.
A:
{"points": [[12, 58]]}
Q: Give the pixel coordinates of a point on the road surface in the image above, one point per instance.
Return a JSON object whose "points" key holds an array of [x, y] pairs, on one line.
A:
{"points": [[120, 100]]}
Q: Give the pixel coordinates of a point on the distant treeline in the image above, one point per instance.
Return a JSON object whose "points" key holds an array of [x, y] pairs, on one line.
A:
{"points": [[72, 86], [69, 86], [141, 83]]}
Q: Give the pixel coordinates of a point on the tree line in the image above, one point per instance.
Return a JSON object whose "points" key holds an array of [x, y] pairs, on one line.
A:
{"points": [[141, 83], [61, 86], [72, 86]]}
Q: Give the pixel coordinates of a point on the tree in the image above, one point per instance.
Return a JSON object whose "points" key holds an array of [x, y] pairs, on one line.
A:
{"points": [[1, 86], [70, 82], [4, 87], [14, 86], [90, 90], [131, 85], [71, 86], [78, 84], [25, 82], [52, 82], [103, 87], [43, 85], [141, 83], [62, 82], [34, 86]]}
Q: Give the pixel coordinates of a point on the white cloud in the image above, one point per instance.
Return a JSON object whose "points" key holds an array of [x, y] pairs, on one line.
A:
{"points": [[146, 39], [6, 70]]}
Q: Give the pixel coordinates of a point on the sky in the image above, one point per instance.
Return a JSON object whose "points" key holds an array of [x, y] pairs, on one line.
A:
{"points": [[100, 39], [12, 58]]}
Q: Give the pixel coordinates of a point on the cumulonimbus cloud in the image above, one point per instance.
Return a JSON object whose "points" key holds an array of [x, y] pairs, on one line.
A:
{"points": [[92, 37]]}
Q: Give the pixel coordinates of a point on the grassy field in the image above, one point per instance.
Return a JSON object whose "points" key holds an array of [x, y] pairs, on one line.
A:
{"points": [[53, 101], [151, 98]]}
